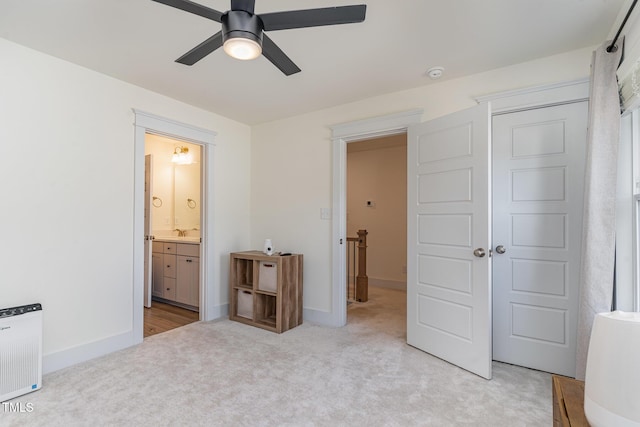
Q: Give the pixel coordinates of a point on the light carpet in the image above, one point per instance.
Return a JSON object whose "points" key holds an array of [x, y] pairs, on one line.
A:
{"points": [[225, 373]]}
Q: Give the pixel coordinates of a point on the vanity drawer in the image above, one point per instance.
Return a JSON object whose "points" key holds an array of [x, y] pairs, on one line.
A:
{"points": [[188, 249], [169, 247], [169, 267], [157, 247], [169, 291]]}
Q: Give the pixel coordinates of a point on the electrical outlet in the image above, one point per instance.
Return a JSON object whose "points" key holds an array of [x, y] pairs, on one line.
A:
{"points": [[325, 213]]}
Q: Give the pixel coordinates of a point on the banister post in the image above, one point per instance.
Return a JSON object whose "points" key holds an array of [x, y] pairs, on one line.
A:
{"points": [[362, 281]]}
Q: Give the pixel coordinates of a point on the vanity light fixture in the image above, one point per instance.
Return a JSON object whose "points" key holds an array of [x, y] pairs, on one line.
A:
{"points": [[181, 156]]}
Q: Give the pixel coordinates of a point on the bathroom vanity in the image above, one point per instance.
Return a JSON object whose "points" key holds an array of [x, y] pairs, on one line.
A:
{"points": [[176, 272]]}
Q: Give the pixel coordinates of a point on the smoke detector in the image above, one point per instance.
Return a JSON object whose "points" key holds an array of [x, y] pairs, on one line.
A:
{"points": [[435, 72]]}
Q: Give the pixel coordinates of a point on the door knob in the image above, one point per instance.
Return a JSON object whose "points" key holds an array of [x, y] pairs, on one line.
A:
{"points": [[500, 249], [479, 252]]}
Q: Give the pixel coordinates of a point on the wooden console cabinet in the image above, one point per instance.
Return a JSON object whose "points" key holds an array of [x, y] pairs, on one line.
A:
{"points": [[266, 291], [568, 402]]}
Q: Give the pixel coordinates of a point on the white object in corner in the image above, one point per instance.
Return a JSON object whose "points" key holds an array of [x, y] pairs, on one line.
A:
{"points": [[612, 381], [268, 247], [20, 350]]}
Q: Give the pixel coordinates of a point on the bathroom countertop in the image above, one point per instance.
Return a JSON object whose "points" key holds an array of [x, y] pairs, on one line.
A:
{"points": [[176, 239]]}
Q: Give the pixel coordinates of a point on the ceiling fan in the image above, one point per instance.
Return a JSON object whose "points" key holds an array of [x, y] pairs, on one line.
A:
{"points": [[242, 35]]}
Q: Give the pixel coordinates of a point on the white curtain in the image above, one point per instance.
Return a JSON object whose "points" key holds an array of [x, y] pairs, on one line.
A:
{"points": [[598, 234]]}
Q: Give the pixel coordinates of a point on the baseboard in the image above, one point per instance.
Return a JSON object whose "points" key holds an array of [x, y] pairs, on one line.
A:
{"points": [[324, 318], [72, 356], [217, 312], [389, 284], [176, 303]]}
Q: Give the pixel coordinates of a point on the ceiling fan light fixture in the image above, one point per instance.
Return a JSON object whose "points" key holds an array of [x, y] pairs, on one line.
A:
{"points": [[241, 34], [242, 48]]}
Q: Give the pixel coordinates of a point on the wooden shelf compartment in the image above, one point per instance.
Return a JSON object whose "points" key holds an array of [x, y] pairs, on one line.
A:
{"points": [[243, 273], [266, 310]]}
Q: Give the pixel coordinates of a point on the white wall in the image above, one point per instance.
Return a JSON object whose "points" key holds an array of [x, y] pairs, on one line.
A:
{"points": [[292, 161], [67, 175]]}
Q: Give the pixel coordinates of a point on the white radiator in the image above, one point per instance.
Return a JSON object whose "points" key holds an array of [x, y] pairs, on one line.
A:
{"points": [[20, 350]]}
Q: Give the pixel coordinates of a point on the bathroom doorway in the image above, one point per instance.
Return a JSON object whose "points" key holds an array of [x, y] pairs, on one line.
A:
{"points": [[173, 238]]}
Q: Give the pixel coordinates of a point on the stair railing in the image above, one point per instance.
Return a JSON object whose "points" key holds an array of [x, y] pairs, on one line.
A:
{"points": [[357, 279]]}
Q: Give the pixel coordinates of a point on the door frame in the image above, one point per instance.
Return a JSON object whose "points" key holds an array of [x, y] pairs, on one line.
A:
{"points": [[150, 123], [501, 103], [342, 134]]}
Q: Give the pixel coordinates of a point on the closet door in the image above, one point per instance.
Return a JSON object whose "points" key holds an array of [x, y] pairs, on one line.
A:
{"points": [[448, 225], [538, 175]]}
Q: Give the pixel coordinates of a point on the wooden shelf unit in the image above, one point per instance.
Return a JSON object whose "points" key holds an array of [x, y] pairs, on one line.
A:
{"points": [[273, 301]]}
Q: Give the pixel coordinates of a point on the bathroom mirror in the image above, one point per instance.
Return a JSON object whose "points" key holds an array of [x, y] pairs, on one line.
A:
{"points": [[187, 196], [175, 187]]}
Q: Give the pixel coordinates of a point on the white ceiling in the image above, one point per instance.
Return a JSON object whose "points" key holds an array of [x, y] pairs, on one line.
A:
{"points": [[138, 40]]}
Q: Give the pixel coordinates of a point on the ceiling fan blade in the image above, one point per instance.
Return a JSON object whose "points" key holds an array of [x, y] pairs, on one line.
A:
{"points": [[202, 50], [246, 5], [195, 8], [277, 57], [313, 17]]}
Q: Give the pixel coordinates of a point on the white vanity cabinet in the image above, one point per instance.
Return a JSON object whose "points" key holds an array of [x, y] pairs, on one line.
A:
{"points": [[188, 274], [176, 273], [157, 274]]}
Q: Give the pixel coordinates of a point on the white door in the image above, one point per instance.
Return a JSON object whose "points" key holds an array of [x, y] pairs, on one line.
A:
{"points": [[448, 287], [538, 174], [148, 238]]}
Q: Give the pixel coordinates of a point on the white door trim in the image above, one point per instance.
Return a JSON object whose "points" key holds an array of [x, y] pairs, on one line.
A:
{"points": [[342, 134], [537, 96], [150, 123]]}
